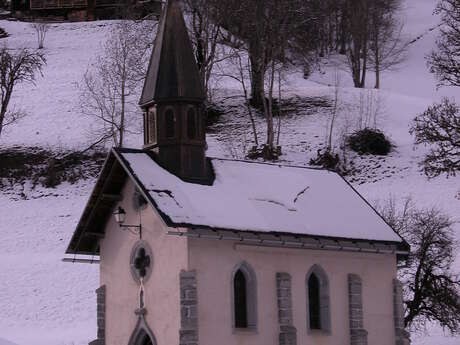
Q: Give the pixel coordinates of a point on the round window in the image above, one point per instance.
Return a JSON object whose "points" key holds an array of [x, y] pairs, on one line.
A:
{"points": [[141, 261]]}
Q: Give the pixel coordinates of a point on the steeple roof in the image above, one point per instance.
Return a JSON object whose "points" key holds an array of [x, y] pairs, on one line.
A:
{"points": [[173, 72]]}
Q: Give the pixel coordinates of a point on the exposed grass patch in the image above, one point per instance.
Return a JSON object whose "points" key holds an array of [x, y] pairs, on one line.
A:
{"points": [[43, 167]]}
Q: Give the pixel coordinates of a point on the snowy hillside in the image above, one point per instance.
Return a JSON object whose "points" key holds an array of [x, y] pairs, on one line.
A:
{"points": [[46, 301]]}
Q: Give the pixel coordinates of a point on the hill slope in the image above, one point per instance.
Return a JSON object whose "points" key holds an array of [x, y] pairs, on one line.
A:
{"points": [[45, 301]]}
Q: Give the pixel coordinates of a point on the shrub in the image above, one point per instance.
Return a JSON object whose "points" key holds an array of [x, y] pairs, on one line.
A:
{"points": [[213, 113], [327, 160], [439, 128], [3, 33], [371, 141]]}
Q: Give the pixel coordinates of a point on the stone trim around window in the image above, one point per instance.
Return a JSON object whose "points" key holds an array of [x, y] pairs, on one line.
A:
{"points": [[251, 291], [402, 337], [142, 332], [188, 333], [288, 333], [325, 312], [100, 293], [358, 335], [141, 244]]}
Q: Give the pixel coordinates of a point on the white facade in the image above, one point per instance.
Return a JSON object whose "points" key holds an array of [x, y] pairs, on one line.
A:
{"points": [[213, 263]]}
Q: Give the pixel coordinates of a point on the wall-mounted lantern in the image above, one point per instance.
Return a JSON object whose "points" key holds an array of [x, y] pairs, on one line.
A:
{"points": [[120, 217]]}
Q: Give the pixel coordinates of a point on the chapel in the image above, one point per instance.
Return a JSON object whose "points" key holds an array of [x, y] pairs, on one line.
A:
{"points": [[195, 250]]}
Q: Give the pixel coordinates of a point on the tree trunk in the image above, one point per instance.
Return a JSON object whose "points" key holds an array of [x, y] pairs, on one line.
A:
{"points": [[4, 105], [270, 128], [362, 83], [377, 63], [122, 115], [257, 78], [343, 30], [2, 118]]}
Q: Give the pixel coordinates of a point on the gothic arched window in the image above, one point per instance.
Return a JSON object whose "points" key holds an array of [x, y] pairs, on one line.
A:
{"points": [[191, 124], [318, 307], [152, 130], [170, 124], [240, 300], [314, 302], [244, 297]]}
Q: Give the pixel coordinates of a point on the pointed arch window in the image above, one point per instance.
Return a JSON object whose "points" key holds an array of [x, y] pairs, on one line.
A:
{"points": [[170, 124], [244, 297], [146, 128], [314, 302], [191, 124], [142, 335], [152, 128], [240, 300], [318, 305]]}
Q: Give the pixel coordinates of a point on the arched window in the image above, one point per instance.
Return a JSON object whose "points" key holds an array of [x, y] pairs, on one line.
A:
{"points": [[170, 124], [318, 306], [147, 341], [314, 302], [142, 335], [146, 128], [240, 301], [191, 124], [244, 297], [152, 130]]}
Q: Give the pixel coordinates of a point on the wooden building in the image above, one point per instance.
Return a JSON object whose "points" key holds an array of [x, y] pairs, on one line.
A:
{"points": [[79, 10]]}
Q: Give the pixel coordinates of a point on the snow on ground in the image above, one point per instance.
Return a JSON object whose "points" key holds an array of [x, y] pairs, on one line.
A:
{"points": [[54, 118], [46, 301]]}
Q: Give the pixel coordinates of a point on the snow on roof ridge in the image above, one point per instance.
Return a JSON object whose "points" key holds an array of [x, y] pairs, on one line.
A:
{"points": [[274, 164]]}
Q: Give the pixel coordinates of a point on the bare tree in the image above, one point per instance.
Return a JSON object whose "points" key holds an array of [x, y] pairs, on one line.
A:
{"points": [[439, 127], [445, 62], [335, 109], [357, 52], [431, 289], [205, 34], [387, 46], [269, 29], [374, 38], [16, 68], [41, 28], [111, 85], [242, 66]]}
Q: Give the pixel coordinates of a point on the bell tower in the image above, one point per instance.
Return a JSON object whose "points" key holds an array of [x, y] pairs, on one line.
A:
{"points": [[172, 101]]}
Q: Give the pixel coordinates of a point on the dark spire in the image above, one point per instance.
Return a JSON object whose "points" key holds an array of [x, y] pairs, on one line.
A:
{"points": [[173, 72]]}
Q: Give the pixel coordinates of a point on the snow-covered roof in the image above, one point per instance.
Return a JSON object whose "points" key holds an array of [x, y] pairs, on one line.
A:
{"points": [[249, 196]]}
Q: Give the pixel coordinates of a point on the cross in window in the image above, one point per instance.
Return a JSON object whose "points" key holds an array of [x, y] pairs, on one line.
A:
{"points": [[142, 262]]}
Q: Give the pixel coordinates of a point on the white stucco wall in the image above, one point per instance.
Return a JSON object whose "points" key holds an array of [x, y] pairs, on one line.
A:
{"points": [[214, 262], [162, 288]]}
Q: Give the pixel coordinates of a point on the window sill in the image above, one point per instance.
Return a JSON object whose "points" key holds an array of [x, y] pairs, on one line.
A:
{"points": [[150, 146], [248, 330], [318, 332]]}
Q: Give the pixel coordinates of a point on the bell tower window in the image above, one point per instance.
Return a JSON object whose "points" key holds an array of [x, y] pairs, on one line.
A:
{"points": [[152, 130], [170, 123], [191, 124], [146, 129]]}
